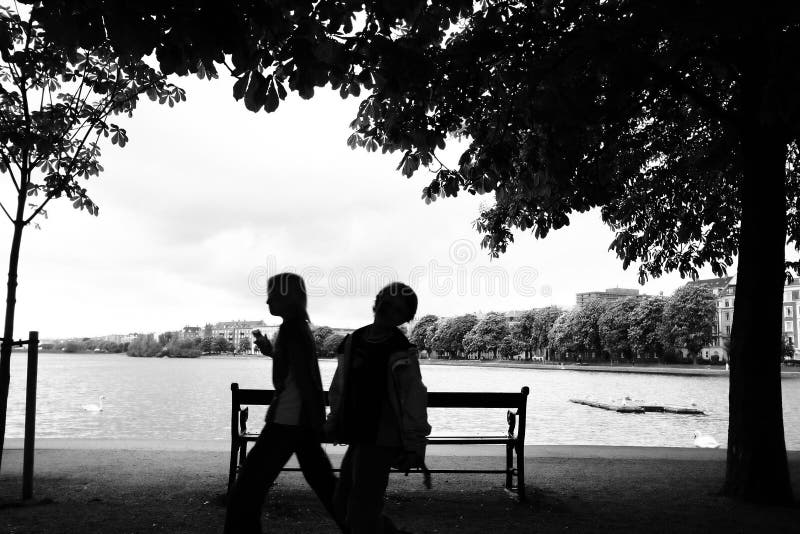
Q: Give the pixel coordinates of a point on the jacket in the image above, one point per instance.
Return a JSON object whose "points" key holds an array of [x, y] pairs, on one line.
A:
{"points": [[407, 394], [295, 349]]}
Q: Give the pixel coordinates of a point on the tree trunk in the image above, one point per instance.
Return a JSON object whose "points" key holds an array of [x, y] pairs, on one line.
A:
{"points": [[757, 468], [8, 330]]}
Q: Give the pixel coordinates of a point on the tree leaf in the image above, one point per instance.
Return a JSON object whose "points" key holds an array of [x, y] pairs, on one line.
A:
{"points": [[240, 86], [272, 100], [256, 93]]}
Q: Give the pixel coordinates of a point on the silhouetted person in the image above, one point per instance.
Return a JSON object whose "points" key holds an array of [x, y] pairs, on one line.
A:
{"points": [[378, 407], [295, 417]]}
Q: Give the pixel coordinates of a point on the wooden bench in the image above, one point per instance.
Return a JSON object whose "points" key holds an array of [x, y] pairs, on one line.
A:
{"points": [[513, 440]]}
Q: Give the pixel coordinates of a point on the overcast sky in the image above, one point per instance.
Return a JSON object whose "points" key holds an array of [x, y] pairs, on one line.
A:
{"points": [[208, 199]]}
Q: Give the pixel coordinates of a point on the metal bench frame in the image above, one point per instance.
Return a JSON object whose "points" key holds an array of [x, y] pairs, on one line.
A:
{"points": [[514, 442]]}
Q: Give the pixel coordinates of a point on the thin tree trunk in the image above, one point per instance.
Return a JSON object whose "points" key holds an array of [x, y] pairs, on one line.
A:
{"points": [[757, 468], [8, 330]]}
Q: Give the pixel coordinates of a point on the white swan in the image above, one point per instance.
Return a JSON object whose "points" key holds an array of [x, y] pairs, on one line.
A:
{"points": [[705, 442], [95, 407]]}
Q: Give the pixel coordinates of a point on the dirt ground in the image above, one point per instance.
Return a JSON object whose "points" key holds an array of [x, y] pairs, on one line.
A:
{"points": [[80, 491]]}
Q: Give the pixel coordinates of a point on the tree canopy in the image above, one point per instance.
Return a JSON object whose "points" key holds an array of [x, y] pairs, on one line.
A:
{"points": [[449, 335], [645, 326], [419, 334], [689, 315], [678, 119], [614, 324], [487, 335]]}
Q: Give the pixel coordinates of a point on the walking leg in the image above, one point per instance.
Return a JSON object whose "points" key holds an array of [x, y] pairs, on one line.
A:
{"points": [[370, 476], [318, 472], [264, 462]]}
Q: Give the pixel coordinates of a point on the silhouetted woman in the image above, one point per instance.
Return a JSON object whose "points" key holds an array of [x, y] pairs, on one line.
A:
{"points": [[295, 417]]}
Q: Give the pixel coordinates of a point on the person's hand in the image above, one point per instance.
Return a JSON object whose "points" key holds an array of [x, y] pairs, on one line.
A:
{"points": [[262, 342]]}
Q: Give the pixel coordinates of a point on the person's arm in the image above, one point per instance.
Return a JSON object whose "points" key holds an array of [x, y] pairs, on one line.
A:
{"points": [[413, 399], [301, 350], [262, 343]]}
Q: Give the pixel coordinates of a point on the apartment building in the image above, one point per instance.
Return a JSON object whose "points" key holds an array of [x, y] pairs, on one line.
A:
{"points": [[236, 331], [614, 293]]}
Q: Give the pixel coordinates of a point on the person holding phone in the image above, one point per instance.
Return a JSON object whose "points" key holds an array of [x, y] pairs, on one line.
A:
{"points": [[294, 419]]}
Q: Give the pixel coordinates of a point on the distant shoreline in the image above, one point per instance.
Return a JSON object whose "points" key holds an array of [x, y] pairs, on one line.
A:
{"points": [[517, 364], [643, 369], [677, 370]]}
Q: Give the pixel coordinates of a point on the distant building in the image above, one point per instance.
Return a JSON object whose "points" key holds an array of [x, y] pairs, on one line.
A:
{"points": [[512, 315], [724, 290], [791, 317], [236, 331], [715, 285], [615, 293], [120, 338], [515, 315], [190, 332]]}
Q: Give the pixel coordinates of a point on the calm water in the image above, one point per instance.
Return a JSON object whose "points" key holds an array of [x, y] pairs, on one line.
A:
{"points": [[173, 399]]}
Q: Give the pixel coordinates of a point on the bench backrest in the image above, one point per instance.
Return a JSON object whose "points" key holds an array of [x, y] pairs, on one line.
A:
{"points": [[436, 399]]}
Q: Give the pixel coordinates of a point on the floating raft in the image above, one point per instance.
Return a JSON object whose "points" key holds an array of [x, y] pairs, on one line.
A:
{"points": [[621, 408], [674, 409], [639, 408]]}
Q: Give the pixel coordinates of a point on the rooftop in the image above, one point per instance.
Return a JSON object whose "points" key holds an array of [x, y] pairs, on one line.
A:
{"points": [[714, 283]]}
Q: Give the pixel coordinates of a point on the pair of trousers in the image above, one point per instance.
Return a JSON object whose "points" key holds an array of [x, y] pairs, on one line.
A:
{"points": [[362, 485], [273, 448]]}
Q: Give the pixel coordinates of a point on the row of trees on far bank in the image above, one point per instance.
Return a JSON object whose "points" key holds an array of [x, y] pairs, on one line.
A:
{"points": [[648, 327], [170, 345], [327, 341], [84, 345]]}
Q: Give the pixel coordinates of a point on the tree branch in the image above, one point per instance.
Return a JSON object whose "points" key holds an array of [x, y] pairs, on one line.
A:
{"points": [[40, 208], [6, 212], [104, 112], [7, 163]]}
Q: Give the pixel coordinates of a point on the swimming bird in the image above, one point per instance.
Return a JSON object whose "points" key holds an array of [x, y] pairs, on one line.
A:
{"points": [[704, 441], [95, 407]]}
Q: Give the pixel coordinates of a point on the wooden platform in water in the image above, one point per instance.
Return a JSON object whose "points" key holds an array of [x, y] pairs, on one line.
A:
{"points": [[639, 408]]}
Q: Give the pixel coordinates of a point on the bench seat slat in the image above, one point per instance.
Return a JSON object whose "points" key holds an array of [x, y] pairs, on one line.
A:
{"points": [[453, 471], [467, 441], [435, 440]]}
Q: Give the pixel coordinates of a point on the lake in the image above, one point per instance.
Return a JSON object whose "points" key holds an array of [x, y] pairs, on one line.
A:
{"points": [[175, 399]]}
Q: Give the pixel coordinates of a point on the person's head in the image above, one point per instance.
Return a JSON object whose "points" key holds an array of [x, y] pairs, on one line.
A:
{"points": [[395, 304], [286, 296]]}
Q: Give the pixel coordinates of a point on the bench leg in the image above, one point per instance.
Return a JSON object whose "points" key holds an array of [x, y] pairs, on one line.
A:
{"points": [[509, 465], [233, 465], [521, 471], [242, 452]]}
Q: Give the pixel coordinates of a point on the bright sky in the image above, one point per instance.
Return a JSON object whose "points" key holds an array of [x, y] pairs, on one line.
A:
{"points": [[208, 199]]}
